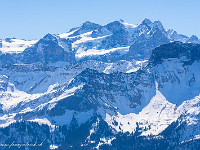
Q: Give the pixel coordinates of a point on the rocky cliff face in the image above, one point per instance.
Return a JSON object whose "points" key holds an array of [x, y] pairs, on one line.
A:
{"points": [[117, 40], [49, 49], [52, 93]]}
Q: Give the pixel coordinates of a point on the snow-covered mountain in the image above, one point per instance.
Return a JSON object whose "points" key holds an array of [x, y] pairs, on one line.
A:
{"points": [[117, 86], [117, 40]]}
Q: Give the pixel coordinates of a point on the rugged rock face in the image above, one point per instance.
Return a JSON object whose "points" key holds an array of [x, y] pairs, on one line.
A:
{"points": [[49, 49], [51, 93], [107, 91], [86, 27], [115, 41], [143, 46], [191, 52]]}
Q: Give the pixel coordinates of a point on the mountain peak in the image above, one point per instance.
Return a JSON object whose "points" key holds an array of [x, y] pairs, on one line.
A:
{"points": [[121, 20], [158, 23], [115, 25], [86, 27], [145, 21], [49, 37], [89, 26], [194, 37]]}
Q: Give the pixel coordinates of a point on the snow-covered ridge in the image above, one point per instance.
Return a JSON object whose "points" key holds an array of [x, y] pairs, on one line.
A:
{"points": [[93, 41], [100, 78], [13, 45]]}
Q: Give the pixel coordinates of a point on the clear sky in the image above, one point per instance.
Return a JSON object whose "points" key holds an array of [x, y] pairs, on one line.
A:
{"points": [[32, 19]]}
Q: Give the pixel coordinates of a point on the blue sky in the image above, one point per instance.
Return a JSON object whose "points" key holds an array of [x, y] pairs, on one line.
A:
{"points": [[32, 19]]}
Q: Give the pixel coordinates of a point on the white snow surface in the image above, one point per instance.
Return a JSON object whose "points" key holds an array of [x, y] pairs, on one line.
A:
{"points": [[91, 52], [15, 45], [153, 118]]}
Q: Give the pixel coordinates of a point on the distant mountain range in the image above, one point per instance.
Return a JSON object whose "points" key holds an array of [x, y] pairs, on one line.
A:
{"points": [[118, 86], [115, 41]]}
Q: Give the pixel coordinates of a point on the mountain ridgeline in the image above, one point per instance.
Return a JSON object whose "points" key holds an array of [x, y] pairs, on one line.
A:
{"points": [[115, 41], [114, 86]]}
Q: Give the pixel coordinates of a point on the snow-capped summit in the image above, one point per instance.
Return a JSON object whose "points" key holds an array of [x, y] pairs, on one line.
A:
{"points": [[116, 86], [115, 41]]}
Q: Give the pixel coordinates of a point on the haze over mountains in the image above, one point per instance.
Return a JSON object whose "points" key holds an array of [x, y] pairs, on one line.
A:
{"points": [[102, 87]]}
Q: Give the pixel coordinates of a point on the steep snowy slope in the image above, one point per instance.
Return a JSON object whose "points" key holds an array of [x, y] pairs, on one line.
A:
{"points": [[36, 78], [97, 87], [144, 98]]}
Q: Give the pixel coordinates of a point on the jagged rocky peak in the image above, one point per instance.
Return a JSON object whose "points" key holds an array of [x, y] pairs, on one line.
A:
{"points": [[145, 22], [121, 21], [111, 28], [49, 49], [149, 25], [115, 25], [89, 26], [193, 39], [49, 37], [158, 24], [48, 41], [141, 39], [172, 34], [86, 27], [129, 96], [124, 24]]}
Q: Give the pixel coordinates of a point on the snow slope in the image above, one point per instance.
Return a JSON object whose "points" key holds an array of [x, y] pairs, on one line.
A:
{"points": [[13, 45], [107, 80]]}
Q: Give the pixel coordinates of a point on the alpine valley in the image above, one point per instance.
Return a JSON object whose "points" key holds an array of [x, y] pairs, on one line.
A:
{"points": [[108, 87]]}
